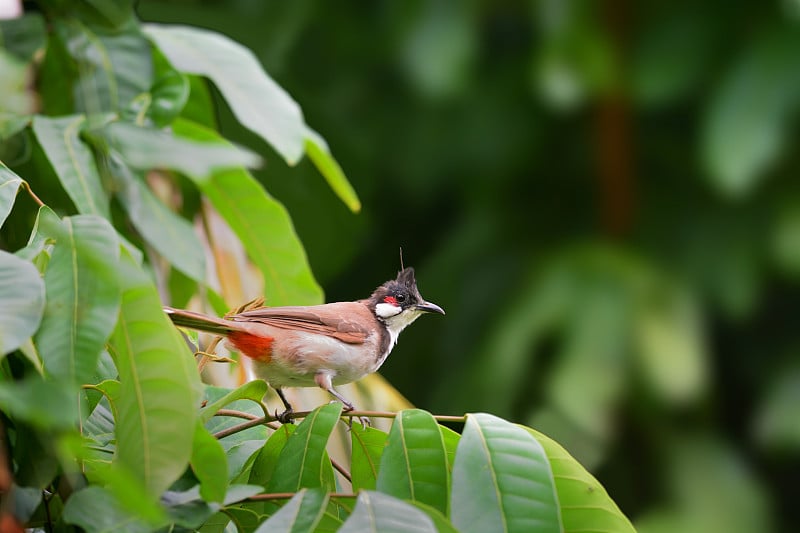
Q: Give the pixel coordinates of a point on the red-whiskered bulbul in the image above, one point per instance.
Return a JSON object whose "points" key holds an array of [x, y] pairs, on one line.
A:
{"points": [[319, 345]]}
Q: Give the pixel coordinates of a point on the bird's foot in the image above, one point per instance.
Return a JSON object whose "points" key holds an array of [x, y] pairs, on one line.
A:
{"points": [[285, 417]]}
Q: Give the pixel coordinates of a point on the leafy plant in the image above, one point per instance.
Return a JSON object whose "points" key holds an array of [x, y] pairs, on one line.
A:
{"points": [[105, 422]]}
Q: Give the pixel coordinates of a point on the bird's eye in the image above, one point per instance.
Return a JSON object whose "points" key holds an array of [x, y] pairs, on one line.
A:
{"points": [[400, 298]]}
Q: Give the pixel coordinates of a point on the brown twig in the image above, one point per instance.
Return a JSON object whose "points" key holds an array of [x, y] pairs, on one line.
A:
{"points": [[36, 199]]}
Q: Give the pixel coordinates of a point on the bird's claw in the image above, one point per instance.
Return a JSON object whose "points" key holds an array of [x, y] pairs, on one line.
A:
{"points": [[285, 416]]}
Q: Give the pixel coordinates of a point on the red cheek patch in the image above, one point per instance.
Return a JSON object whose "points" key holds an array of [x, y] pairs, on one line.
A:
{"points": [[390, 300], [253, 346]]}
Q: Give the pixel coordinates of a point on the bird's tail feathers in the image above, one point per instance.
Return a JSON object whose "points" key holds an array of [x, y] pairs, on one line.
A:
{"points": [[200, 322]]}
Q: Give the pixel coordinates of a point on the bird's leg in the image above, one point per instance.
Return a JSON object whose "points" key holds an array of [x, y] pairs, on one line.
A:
{"points": [[284, 418], [323, 379], [324, 382]]}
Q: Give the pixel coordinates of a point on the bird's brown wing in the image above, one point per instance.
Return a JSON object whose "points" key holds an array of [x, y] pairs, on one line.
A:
{"points": [[346, 321]]}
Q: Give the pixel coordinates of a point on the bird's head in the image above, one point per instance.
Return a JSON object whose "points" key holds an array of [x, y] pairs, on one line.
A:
{"points": [[398, 302]]}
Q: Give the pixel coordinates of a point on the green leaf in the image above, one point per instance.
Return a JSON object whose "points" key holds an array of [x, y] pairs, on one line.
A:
{"points": [[146, 148], [414, 463], [9, 185], [502, 480], [252, 214], [746, 122], [300, 514], [367, 446], [96, 510], [166, 98], [44, 404], [319, 153], [259, 103], [169, 234], [269, 455], [72, 162], [301, 463], [450, 439], [23, 36], [252, 390], [23, 301], [585, 504], [381, 513], [111, 67], [159, 385], [209, 464], [443, 525], [83, 296], [241, 457]]}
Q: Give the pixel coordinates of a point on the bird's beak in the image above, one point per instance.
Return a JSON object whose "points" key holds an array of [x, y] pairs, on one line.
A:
{"points": [[429, 307]]}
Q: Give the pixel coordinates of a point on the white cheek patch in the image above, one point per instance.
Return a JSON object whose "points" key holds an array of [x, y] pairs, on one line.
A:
{"points": [[385, 310]]}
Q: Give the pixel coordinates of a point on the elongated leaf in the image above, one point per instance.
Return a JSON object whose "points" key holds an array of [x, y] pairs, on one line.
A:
{"points": [[367, 446], [262, 224], [381, 513], [269, 455], [22, 293], [252, 390], [319, 153], [9, 185], [301, 463], [73, 162], [450, 439], [300, 514], [83, 296], [414, 463], [744, 127], [502, 480], [159, 385], [145, 149], [259, 103], [209, 464], [96, 510], [585, 504], [43, 404], [169, 234], [111, 67]]}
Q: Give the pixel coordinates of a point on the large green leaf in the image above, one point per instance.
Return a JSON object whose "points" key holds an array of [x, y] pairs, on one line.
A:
{"points": [[96, 510], [258, 102], [585, 504], [44, 404], [252, 390], [302, 461], [269, 455], [72, 162], [83, 295], [146, 149], [22, 293], [300, 514], [262, 224], [367, 445], [502, 480], [160, 386], [746, 121], [380, 513], [9, 185], [209, 465], [111, 67], [168, 233], [319, 153], [414, 463]]}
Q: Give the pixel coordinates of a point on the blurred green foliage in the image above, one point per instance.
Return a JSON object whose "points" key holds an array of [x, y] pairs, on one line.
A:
{"points": [[603, 197]]}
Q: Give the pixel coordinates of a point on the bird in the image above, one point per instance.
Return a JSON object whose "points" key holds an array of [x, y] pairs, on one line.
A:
{"points": [[318, 345]]}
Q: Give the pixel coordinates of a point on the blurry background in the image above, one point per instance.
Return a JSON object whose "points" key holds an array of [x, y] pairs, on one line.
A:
{"points": [[604, 197]]}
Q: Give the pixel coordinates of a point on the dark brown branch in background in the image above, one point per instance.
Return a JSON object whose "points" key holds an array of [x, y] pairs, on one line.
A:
{"points": [[613, 131]]}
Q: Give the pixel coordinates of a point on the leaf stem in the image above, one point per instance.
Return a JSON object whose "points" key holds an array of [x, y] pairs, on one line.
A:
{"points": [[36, 199]]}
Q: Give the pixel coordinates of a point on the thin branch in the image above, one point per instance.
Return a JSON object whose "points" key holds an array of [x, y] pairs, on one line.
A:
{"points": [[236, 414], [36, 199], [266, 420], [342, 470]]}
